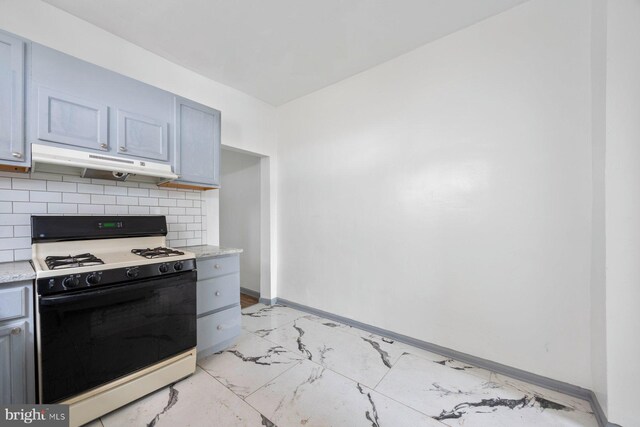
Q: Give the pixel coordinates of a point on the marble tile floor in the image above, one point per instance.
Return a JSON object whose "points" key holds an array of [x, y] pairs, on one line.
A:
{"points": [[289, 368]]}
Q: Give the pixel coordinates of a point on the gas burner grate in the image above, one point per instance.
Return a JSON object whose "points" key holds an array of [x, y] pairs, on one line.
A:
{"points": [[158, 252], [82, 260]]}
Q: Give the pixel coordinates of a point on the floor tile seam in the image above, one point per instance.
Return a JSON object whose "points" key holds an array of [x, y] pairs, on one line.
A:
{"points": [[293, 365]]}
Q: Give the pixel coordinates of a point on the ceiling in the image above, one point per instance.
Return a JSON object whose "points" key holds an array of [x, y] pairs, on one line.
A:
{"points": [[279, 50]]}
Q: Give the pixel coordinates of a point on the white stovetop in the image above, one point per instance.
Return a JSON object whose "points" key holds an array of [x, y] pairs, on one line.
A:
{"points": [[116, 253]]}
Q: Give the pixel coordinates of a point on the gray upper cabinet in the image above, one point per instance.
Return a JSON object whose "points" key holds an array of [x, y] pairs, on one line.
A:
{"points": [[12, 66], [66, 119], [92, 108], [197, 136], [142, 136]]}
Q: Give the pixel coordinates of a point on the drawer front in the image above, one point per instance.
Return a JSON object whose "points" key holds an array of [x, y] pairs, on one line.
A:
{"points": [[218, 327], [13, 303], [218, 292], [214, 267]]}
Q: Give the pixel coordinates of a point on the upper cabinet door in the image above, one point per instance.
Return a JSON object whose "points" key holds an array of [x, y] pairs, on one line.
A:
{"points": [[142, 136], [197, 139], [12, 142], [70, 120]]}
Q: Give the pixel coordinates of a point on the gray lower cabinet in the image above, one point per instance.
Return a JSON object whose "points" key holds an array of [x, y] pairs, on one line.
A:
{"points": [[218, 299], [197, 136], [89, 107], [12, 66], [17, 372]]}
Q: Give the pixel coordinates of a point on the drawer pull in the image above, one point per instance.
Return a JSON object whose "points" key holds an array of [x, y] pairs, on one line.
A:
{"points": [[217, 293], [16, 331], [217, 266], [219, 327]]}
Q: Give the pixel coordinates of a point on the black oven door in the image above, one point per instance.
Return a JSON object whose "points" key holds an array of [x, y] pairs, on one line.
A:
{"points": [[92, 337]]}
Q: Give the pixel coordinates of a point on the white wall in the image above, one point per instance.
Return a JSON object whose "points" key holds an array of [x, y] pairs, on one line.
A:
{"points": [[598, 235], [623, 210], [247, 123], [240, 212], [446, 194]]}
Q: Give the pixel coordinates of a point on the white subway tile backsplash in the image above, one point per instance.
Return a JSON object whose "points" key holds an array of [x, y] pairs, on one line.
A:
{"points": [[99, 199], [148, 201], [29, 207], [91, 209], [194, 242], [70, 187], [91, 188], [23, 195], [76, 198], [166, 202], [116, 210], [6, 256], [158, 193], [28, 184], [15, 242], [138, 192], [115, 191], [22, 254], [6, 231], [21, 230], [126, 200], [62, 208], [15, 219], [14, 195], [138, 210], [45, 196]]}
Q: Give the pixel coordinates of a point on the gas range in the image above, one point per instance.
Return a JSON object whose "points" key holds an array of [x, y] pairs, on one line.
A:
{"points": [[99, 253], [115, 311]]}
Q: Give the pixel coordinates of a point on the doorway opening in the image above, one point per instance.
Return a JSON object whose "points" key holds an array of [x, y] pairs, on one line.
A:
{"points": [[240, 216]]}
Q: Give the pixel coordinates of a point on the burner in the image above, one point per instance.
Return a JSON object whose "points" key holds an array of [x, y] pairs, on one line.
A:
{"points": [[82, 260], [158, 252]]}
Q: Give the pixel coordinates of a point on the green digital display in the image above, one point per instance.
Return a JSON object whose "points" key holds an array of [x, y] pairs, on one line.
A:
{"points": [[108, 225]]}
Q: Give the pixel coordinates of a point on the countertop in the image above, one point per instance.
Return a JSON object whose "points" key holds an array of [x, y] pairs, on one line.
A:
{"points": [[16, 272], [209, 251]]}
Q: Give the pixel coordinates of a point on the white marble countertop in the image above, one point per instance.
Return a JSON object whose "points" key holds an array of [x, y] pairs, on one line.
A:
{"points": [[16, 271], [209, 251]]}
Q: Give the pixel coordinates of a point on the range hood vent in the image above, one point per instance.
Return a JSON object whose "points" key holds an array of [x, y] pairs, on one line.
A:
{"points": [[45, 158]]}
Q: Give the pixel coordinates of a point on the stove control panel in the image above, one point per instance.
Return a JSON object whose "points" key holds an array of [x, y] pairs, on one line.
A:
{"points": [[93, 279]]}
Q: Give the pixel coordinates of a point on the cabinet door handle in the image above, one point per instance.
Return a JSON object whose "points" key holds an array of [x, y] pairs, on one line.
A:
{"points": [[217, 266], [16, 155], [103, 145], [217, 293], [123, 149], [16, 331], [220, 327]]}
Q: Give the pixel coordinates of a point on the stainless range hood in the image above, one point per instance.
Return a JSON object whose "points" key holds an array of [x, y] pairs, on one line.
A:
{"points": [[46, 158]]}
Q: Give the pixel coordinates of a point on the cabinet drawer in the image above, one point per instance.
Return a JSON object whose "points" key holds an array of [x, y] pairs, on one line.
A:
{"points": [[218, 328], [13, 303], [214, 267], [218, 292]]}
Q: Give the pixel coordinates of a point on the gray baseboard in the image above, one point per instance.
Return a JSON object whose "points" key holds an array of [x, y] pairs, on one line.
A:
{"points": [[519, 374], [250, 292]]}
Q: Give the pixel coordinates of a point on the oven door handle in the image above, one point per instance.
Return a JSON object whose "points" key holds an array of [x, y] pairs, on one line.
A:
{"points": [[111, 291]]}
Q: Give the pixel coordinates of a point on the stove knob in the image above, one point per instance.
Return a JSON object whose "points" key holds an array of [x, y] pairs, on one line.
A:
{"points": [[93, 279], [163, 268], [70, 282], [132, 272], [178, 266]]}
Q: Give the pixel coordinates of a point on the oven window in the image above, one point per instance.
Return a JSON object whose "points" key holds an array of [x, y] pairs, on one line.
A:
{"points": [[93, 337]]}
